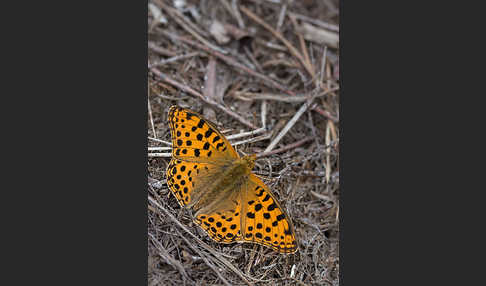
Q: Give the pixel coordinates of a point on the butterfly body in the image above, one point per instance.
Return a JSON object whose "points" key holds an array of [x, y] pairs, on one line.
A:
{"points": [[233, 177], [231, 204]]}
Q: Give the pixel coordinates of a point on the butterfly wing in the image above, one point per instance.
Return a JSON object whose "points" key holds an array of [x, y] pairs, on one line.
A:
{"points": [[223, 224], [196, 139], [181, 179], [264, 220], [199, 151]]}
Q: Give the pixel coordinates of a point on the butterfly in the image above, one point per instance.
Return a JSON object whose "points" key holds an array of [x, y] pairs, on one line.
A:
{"points": [[207, 175]]}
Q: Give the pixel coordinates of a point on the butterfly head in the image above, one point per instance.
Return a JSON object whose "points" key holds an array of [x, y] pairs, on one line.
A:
{"points": [[249, 161]]}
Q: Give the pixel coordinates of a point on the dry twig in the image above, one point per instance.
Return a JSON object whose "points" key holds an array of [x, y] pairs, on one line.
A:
{"points": [[217, 255], [289, 125], [279, 36], [195, 93], [240, 67]]}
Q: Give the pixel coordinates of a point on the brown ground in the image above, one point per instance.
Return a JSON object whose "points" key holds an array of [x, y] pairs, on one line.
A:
{"points": [[275, 67]]}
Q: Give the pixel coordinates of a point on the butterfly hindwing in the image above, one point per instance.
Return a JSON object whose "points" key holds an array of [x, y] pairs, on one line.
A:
{"points": [[265, 221], [222, 225]]}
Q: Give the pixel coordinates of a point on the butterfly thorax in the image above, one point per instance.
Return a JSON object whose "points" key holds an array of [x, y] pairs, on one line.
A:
{"points": [[249, 161], [222, 188]]}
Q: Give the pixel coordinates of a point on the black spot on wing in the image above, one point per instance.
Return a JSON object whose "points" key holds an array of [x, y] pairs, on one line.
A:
{"points": [[272, 207], [201, 123], [208, 133], [206, 145]]}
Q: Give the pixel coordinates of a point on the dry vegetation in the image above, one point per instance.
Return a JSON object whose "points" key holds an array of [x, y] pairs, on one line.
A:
{"points": [[267, 73]]}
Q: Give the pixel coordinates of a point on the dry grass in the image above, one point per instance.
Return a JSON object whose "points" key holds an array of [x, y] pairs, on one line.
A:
{"points": [[250, 67]]}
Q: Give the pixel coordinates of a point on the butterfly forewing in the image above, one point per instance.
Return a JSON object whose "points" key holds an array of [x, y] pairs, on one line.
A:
{"points": [[197, 139], [182, 179]]}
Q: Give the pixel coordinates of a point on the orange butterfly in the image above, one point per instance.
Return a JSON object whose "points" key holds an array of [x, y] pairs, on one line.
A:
{"points": [[231, 204]]}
